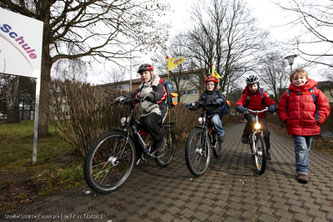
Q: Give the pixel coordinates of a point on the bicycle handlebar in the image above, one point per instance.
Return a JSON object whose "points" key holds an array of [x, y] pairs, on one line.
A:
{"points": [[257, 111]]}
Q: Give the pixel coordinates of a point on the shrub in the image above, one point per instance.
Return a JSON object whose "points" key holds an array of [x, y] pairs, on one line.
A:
{"points": [[81, 112]]}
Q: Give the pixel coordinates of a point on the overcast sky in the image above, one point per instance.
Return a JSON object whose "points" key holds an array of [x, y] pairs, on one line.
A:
{"points": [[269, 16]]}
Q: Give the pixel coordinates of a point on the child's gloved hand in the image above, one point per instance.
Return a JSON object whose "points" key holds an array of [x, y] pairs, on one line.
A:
{"points": [[272, 108], [219, 100], [240, 108], [145, 96], [192, 106], [119, 99]]}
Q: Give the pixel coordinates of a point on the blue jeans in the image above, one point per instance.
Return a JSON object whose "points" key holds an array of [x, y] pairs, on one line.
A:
{"points": [[216, 121], [302, 148]]}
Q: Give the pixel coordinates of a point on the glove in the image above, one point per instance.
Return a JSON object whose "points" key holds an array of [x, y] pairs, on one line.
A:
{"points": [[192, 106], [272, 108], [240, 108], [119, 99], [219, 101], [145, 96]]}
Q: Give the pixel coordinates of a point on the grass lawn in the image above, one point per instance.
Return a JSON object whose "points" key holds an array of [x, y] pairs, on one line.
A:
{"points": [[58, 167]]}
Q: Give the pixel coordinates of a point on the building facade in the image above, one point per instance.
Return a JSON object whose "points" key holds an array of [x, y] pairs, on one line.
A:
{"points": [[187, 84]]}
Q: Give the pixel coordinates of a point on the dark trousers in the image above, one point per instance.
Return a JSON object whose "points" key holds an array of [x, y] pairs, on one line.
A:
{"points": [[152, 123], [251, 119]]}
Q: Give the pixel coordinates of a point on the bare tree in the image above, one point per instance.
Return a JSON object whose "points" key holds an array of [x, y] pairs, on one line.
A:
{"points": [[273, 72], [225, 34], [316, 19], [184, 76], [96, 28], [71, 69]]}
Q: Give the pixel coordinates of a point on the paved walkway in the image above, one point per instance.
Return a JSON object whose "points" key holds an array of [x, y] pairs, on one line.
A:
{"points": [[229, 191]]}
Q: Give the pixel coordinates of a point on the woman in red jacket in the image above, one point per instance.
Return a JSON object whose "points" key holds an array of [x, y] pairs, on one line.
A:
{"points": [[303, 108], [255, 98]]}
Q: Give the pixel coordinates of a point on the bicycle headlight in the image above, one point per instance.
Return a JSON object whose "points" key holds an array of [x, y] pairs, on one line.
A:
{"points": [[123, 121], [257, 126], [201, 120]]}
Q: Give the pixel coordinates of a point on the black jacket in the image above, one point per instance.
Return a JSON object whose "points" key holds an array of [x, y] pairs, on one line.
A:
{"points": [[208, 101]]}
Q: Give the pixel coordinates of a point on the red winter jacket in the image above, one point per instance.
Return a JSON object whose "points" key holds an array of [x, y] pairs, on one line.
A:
{"points": [[255, 102], [301, 118]]}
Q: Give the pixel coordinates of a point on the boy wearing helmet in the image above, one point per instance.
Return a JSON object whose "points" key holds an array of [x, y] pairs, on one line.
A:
{"points": [[255, 98], [152, 95], [212, 100]]}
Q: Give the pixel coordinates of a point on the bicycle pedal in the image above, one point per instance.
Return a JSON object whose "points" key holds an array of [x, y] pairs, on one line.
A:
{"points": [[143, 157], [137, 162]]}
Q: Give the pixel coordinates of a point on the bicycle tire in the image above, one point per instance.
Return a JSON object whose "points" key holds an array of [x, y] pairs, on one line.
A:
{"points": [[170, 146], [197, 152], [103, 171], [260, 157]]}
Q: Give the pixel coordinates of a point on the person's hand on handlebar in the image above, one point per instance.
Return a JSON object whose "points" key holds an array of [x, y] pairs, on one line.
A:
{"points": [[192, 106], [240, 108], [272, 108], [119, 99], [145, 96]]}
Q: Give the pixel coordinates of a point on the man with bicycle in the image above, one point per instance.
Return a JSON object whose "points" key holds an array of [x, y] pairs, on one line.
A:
{"points": [[152, 95], [255, 98]]}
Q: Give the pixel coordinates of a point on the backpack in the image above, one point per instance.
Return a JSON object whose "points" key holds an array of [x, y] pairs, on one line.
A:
{"points": [[172, 97], [226, 106], [312, 93]]}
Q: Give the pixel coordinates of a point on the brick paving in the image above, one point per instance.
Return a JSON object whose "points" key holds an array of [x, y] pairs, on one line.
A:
{"points": [[230, 190]]}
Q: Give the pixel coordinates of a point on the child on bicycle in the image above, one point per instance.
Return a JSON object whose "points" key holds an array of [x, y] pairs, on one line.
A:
{"points": [[303, 108], [152, 95], [255, 98], [212, 100]]}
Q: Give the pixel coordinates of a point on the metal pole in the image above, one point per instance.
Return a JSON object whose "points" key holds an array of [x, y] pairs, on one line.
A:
{"points": [[34, 151], [130, 87]]}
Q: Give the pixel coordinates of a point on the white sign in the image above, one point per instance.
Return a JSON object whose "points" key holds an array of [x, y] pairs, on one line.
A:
{"points": [[20, 44]]}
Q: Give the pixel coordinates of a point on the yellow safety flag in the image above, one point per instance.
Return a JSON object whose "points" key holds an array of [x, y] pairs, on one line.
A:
{"points": [[214, 73], [173, 62]]}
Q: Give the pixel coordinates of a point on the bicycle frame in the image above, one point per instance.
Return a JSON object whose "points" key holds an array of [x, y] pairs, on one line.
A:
{"points": [[131, 125]]}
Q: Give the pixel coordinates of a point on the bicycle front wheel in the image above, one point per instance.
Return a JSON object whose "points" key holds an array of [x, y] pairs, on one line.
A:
{"points": [[197, 152], [260, 154], [109, 162], [170, 146], [217, 149]]}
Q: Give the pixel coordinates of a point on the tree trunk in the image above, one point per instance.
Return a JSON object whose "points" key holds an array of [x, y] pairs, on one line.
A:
{"points": [[43, 117], [44, 102]]}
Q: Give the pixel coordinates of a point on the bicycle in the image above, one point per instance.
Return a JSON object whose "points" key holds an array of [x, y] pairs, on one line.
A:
{"points": [[110, 159], [200, 142], [257, 143]]}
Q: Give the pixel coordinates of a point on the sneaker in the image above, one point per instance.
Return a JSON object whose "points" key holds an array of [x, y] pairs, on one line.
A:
{"points": [[302, 178], [245, 139], [160, 146], [268, 157], [221, 138]]}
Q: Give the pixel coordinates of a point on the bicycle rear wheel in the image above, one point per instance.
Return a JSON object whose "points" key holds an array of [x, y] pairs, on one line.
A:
{"points": [[170, 146], [197, 152], [260, 155], [109, 162]]}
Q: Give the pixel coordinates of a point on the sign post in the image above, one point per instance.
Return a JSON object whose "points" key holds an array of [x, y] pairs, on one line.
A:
{"points": [[21, 40]]}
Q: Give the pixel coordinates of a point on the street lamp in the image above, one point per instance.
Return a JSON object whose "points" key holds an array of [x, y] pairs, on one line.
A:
{"points": [[291, 59]]}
